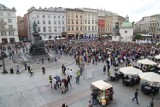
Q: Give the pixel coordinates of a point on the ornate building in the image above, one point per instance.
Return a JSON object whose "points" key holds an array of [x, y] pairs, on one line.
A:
{"points": [[51, 22], [90, 22], [74, 22], [8, 25]]}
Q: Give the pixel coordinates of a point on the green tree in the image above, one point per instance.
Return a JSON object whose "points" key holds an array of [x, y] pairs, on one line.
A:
{"points": [[138, 37]]}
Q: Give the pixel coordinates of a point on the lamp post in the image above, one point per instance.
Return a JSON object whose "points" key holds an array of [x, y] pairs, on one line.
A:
{"points": [[2, 54]]}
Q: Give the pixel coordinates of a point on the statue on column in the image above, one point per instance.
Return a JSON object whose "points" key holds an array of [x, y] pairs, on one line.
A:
{"points": [[37, 48]]}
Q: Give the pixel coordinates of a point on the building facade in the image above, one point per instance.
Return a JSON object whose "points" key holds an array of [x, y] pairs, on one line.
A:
{"points": [[74, 22], [155, 25], [8, 25], [101, 25], [108, 24], [50, 22], [90, 22]]}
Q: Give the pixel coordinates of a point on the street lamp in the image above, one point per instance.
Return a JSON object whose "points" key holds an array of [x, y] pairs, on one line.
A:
{"points": [[2, 54]]}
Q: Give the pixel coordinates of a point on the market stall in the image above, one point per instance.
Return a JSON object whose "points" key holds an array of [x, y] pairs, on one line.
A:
{"points": [[103, 90], [152, 83]]}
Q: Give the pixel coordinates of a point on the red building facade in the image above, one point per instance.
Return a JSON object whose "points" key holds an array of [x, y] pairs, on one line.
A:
{"points": [[22, 27], [101, 26]]}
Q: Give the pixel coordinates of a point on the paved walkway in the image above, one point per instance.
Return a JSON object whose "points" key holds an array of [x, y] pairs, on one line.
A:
{"points": [[25, 91]]}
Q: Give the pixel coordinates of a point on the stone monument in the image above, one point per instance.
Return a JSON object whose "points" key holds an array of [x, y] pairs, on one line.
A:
{"points": [[37, 48]]}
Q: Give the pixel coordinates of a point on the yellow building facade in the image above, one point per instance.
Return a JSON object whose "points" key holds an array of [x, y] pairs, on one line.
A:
{"points": [[74, 23]]}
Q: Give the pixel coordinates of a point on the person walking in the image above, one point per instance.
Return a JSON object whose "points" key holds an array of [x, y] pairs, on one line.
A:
{"points": [[43, 70], [25, 66], [69, 80], [31, 72], [90, 104], [104, 69], [50, 80], [70, 74], [18, 70], [42, 60], [136, 96], [78, 76]]}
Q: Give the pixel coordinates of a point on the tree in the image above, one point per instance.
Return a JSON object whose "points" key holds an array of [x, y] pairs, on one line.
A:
{"points": [[138, 37]]}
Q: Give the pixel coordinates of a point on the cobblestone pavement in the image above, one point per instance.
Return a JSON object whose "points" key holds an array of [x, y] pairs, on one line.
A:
{"points": [[25, 91]]}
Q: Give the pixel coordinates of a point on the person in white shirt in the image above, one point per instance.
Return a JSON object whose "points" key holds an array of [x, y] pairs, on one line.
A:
{"points": [[70, 73]]}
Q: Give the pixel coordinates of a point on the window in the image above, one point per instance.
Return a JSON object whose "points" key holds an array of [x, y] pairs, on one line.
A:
{"points": [[37, 16], [76, 16], [92, 21], [85, 28], [11, 33], [81, 21], [54, 16], [76, 21], [3, 33], [2, 26], [55, 29], [9, 20], [49, 22], [63, 29], [63, 22], [43, 16], [92, 28], [68, 21], [1, 14], [38, 22], [10, 26], [76, 28], [95, 28], [59, 16], [72, 22], [88, 21], [49, 29], [49, 16], [85, 21], [2, 20], [59, 22], [72, 28], [88, 28], [63, 17], [125, 31], [81, 28], [44, 29], [68, 15], [72, 15], [39, 29], [80, 16], [44, 22], [68, 28], [54, 22], [9, 14]]}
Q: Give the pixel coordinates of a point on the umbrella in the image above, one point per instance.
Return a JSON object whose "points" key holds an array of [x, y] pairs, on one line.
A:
{"points": [[158, 66], [146, 62], [130, 70], [157, 56], [150, 77]]}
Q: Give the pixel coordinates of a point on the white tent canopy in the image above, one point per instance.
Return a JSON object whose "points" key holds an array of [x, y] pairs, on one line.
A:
{"points": [[146, 35], [157, 56], [151, 77], [130, 70], [102, 85], [146, 62]]}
